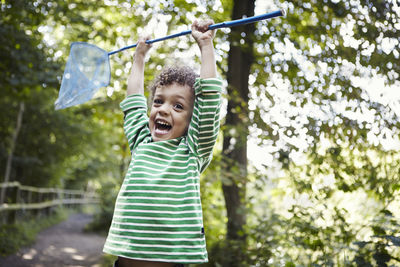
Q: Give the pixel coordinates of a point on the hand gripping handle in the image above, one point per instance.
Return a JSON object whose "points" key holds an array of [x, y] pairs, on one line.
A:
{"points": [[226, 24]]}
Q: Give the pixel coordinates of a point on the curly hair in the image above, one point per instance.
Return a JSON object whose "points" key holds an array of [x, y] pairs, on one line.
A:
{"points": [[174, 74]]}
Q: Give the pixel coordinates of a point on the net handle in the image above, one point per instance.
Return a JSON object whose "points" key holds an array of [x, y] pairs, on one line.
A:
{"points": [[226, 24]]}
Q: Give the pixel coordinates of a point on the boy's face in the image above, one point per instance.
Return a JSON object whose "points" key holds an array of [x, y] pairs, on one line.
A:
{"points": [[171, 111]]}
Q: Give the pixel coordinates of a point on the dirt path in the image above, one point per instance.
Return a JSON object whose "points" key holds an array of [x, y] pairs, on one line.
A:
{"points": [[64, 244]]}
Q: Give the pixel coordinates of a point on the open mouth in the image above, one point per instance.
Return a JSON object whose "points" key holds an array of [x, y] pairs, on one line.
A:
{"points": [[162, 126]]}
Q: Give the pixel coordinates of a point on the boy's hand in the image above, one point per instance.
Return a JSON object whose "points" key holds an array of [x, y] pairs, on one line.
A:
{"points": [[142, 47], [201, 34], [136, 79], [204, 39]]}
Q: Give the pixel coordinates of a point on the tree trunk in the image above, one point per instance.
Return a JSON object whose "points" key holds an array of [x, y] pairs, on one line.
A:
{"points": [[240, 59], [10, 156]]}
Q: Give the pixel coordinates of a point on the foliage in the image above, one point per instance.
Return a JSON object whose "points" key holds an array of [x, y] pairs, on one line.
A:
{"points": [[23, 233], [329, 132], [108, 260], [107, 195], [54, 148], [334, 198]]}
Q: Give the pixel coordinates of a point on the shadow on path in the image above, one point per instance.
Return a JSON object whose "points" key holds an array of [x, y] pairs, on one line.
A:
{"points": [[64, 244]]}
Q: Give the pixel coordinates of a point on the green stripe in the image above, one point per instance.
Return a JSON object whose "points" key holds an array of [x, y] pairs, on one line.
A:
{"points": [[157, 228], [171, 235], [160, 208], [159, 249], [147, 169], [163, 195], [152, 221], [159, 201], [161, 163], [146, 173], [166, 242], [164, 156], [154, 187], [174, 258], [145, 214], [159, 182]]}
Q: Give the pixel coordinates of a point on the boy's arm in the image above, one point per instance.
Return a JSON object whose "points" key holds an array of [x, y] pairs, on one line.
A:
{"points": [[204, 39], [136, 78], [204, 127]]}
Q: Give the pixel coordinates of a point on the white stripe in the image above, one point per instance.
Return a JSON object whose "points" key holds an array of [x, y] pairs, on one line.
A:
{"points": [[210, 131], [195, 115], [145, 148], [160, 225], [155, 246], [206, 154], [133, 129], [194, 129], [210, 120], [157, 218], [158, 198], [158, 205], [155, 231], [185, 159], [158, 211], [170, 173], [165, 166], [209, 142], [156, 238], [162, 252], [132, 116], [161, 192], [214, 137], [133, 99], [204, 101], [131, 110], [159, 185], [160, 179], [209, 113], [159, 252], [130, 128], [191, 139], [163, 148]]}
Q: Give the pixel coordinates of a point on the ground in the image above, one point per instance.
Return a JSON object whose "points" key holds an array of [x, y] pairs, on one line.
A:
{"points": [[64, 244]]}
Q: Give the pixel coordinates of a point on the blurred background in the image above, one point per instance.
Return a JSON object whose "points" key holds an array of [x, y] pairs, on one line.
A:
{"points": [[306, 170]]}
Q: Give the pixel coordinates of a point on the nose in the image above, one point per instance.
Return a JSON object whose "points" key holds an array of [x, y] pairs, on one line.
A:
{"points": [[163, 109]]}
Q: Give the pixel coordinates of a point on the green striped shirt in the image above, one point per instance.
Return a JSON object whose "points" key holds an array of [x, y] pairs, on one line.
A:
{"points": [[158, 214]]}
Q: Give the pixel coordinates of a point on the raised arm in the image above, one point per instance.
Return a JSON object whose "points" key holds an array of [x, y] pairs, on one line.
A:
{"points": [[136, 78], [204, 39]]}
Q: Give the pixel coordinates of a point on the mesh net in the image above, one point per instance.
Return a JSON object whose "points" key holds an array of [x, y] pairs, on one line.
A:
{"points": [[87, 69]]}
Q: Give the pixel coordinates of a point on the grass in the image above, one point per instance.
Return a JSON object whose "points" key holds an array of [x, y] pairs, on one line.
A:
{"points": [[108, 260], [23, 232]]}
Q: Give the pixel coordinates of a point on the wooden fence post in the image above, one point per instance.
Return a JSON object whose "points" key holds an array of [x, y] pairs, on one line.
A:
{"points": [[39, 200]]}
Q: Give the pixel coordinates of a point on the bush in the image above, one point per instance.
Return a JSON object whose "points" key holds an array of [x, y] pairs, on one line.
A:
{"points": [[102, 218], [17, 235]]}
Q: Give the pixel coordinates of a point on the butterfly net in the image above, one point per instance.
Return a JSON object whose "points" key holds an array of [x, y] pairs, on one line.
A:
{"points": [[87, 69]]}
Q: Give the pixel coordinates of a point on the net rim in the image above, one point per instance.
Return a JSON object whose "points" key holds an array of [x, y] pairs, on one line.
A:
{"points": [[89, 44], [71, 56], [102, 51]]}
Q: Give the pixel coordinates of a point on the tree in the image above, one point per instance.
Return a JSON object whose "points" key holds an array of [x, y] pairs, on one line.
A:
{"points": [[308, 99], [54, 148], [236, 128], [294, 85]]}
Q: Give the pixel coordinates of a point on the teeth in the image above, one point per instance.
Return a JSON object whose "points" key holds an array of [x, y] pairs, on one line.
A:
{"points": [[164, 123]]}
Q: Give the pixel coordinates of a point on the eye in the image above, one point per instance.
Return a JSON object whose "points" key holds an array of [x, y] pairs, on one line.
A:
{"points": [[157, 101], [178, 106]]}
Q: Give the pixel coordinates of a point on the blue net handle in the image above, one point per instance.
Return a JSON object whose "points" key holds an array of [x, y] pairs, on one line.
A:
{"points": [[226, 24]]}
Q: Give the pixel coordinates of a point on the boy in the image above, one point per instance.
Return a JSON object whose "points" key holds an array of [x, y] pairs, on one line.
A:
{"points": [[157, 219]]}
